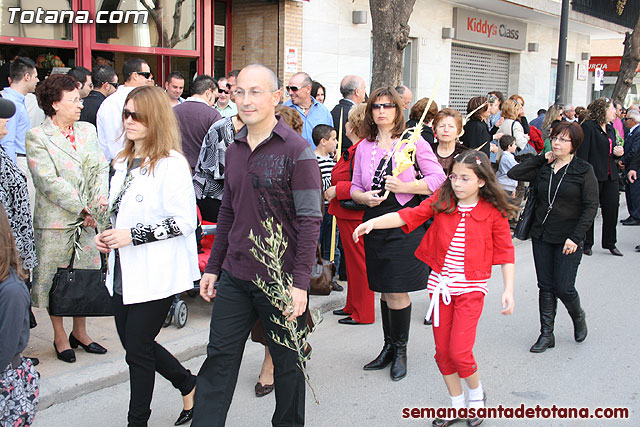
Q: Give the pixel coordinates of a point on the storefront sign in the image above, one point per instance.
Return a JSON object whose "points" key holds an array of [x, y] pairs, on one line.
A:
{"points": [[291, 60], [607, 63], [490, 30], [218, 35]]}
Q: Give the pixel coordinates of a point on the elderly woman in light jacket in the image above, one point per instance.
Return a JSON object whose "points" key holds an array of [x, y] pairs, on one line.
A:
{"points": [[152, 246], [61, 154]]}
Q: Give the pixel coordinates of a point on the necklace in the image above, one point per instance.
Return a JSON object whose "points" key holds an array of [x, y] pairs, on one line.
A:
{"points": [[375, 179], [552, 200]]}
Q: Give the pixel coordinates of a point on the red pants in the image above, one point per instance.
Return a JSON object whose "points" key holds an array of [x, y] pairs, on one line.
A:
{"points": [[360, 299], [456, 334]]}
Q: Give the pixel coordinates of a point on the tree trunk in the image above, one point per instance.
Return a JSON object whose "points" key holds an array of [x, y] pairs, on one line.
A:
{"points": [[390, 36], [629, 64]]}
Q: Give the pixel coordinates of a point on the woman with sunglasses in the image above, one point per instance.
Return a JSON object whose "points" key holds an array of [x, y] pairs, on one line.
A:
{"points": [[152, 245], [392, 268], [61, 153]]}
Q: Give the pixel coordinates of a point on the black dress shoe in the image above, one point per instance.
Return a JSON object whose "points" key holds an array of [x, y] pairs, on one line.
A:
{"points": [[626, 219], [637, 248], [68, 355], [428, 321], [587, 251], [263, 389], [615, 251], [93, 347], [348, 321], [34, 360], [185, 416], [632, 221], [340, 312], [439, 422]]}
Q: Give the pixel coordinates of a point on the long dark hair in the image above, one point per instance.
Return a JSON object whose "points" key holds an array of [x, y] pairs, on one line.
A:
{"points": [[491, 191], [9, 259]]}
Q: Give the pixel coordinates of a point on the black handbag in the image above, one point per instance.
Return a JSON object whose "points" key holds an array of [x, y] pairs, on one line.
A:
{"points": [[352, 205], [525, 220], [80, 292]]}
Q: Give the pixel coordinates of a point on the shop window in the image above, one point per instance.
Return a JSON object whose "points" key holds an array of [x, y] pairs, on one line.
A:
{"points": [[169, 23], [30, 28], [567, 83]]}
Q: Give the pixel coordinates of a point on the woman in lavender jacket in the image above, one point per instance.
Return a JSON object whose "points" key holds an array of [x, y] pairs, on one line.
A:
{"points": [[392, 268]]}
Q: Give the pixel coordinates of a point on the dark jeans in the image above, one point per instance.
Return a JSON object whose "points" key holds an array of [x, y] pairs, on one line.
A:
{"points": [[238, 304], [138, 325], [609, 203], [556, 272]]}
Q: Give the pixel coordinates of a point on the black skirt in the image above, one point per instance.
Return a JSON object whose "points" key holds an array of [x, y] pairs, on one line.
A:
{"points": [[392, 266]]}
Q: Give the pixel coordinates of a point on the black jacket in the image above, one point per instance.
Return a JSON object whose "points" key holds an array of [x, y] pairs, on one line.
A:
{"points": [[631, 146], [475, 134], [595, 150], [576, 202], [90, 106], [343, 105], [427, 132]]}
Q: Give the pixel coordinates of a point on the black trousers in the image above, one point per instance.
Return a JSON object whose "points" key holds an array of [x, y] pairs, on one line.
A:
{"points": [[209, 208], [632, 193], [556, 272], [609, 204], [238, 304], [138, 325]]}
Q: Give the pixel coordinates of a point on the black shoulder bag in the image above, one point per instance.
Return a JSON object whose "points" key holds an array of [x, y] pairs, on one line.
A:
{"points": [[80, 292], [525, 220], [350, 203]]}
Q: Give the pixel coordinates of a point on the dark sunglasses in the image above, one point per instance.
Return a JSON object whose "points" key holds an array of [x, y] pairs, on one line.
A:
{"points": [[145, 74], [136, 117], [220, 90], [115, 85], [386, 105], [294, 88]]}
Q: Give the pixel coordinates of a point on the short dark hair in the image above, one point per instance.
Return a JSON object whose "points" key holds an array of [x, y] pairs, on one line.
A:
{"points": [[498, 95], [572, 129], [131, 66], [321, 132], [506, 141], [476, 102], [51, 89], [202, 83], [315, 86], [233, 73], [102, 74], [542, 111], [79, 74], [418, 109], [175, 75], [19, 67]]}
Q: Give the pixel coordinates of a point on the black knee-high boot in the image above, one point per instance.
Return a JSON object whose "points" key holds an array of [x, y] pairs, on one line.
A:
{"points": [[579, 318], [386, 355], [547, 303], [399, 321]]}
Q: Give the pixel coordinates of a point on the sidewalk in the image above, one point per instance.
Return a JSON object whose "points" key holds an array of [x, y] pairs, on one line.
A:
{"points": [[61, 382]]}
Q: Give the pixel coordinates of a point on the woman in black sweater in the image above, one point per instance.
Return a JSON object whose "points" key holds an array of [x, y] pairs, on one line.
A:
{"points": [[600, 149], [476, 132], [566, 203]]}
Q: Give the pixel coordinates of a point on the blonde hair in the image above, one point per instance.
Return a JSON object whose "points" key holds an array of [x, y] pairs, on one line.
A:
{"points": [[510, 109], [163, 135], [356, 118]]}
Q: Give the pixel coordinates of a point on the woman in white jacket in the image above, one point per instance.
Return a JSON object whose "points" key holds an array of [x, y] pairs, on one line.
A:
{"points": [[152, 246]]}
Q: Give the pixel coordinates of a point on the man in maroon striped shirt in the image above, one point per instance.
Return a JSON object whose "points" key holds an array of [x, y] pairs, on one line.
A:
{"points": [[270, 172]]}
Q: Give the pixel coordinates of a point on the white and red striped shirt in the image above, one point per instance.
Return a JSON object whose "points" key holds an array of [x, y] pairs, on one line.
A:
{"points": [[453, 269]]}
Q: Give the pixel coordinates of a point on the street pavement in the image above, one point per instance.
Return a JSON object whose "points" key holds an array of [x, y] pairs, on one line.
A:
{"points": [[601, 372]]}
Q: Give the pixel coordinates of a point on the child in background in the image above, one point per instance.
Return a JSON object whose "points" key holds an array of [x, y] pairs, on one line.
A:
{"points": [[469, 234], [324, 137], [19, 381], [507, 161]]}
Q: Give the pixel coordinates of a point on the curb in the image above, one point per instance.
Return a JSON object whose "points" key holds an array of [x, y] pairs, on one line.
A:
{"points": [[63, 388]]}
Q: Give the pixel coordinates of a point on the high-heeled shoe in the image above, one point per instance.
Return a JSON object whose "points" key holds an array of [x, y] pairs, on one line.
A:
{"points": [[93, 347], [185, 416], [67, 355]]}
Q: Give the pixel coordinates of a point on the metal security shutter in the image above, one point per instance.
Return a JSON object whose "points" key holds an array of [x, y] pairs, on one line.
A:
{"points": [[474, 72]]}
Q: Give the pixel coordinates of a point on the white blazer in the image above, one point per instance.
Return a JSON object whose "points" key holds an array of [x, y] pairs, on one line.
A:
{"points": [[159, 269]]}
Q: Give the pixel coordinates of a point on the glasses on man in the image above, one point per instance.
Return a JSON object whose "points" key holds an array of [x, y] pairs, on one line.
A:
{"points": [[220, 90], [145, 74], [115, 85], [386, 106], [295, 88], [136, 117]]}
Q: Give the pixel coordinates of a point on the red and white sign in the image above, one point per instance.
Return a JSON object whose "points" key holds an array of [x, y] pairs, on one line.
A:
{"points": [[607, 63]]}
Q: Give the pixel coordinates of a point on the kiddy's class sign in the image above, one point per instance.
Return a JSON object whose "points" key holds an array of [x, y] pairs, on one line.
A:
{"points": [[491, 30]]}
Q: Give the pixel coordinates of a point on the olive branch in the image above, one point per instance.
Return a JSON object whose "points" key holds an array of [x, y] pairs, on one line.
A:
{"points": [[270, 252]]}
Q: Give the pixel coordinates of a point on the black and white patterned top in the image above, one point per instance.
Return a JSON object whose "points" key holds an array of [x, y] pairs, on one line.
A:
{"points": [[14, 196], [208, 179]]}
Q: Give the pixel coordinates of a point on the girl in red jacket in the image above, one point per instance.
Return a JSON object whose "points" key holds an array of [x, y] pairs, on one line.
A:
{"points": [[469, 234]]}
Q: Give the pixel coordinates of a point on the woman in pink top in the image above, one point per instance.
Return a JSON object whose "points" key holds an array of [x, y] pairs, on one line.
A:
{"points": [[392, 268]]}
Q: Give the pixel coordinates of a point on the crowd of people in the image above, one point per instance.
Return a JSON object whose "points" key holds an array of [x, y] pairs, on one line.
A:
{"points": [[150, 163]]}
